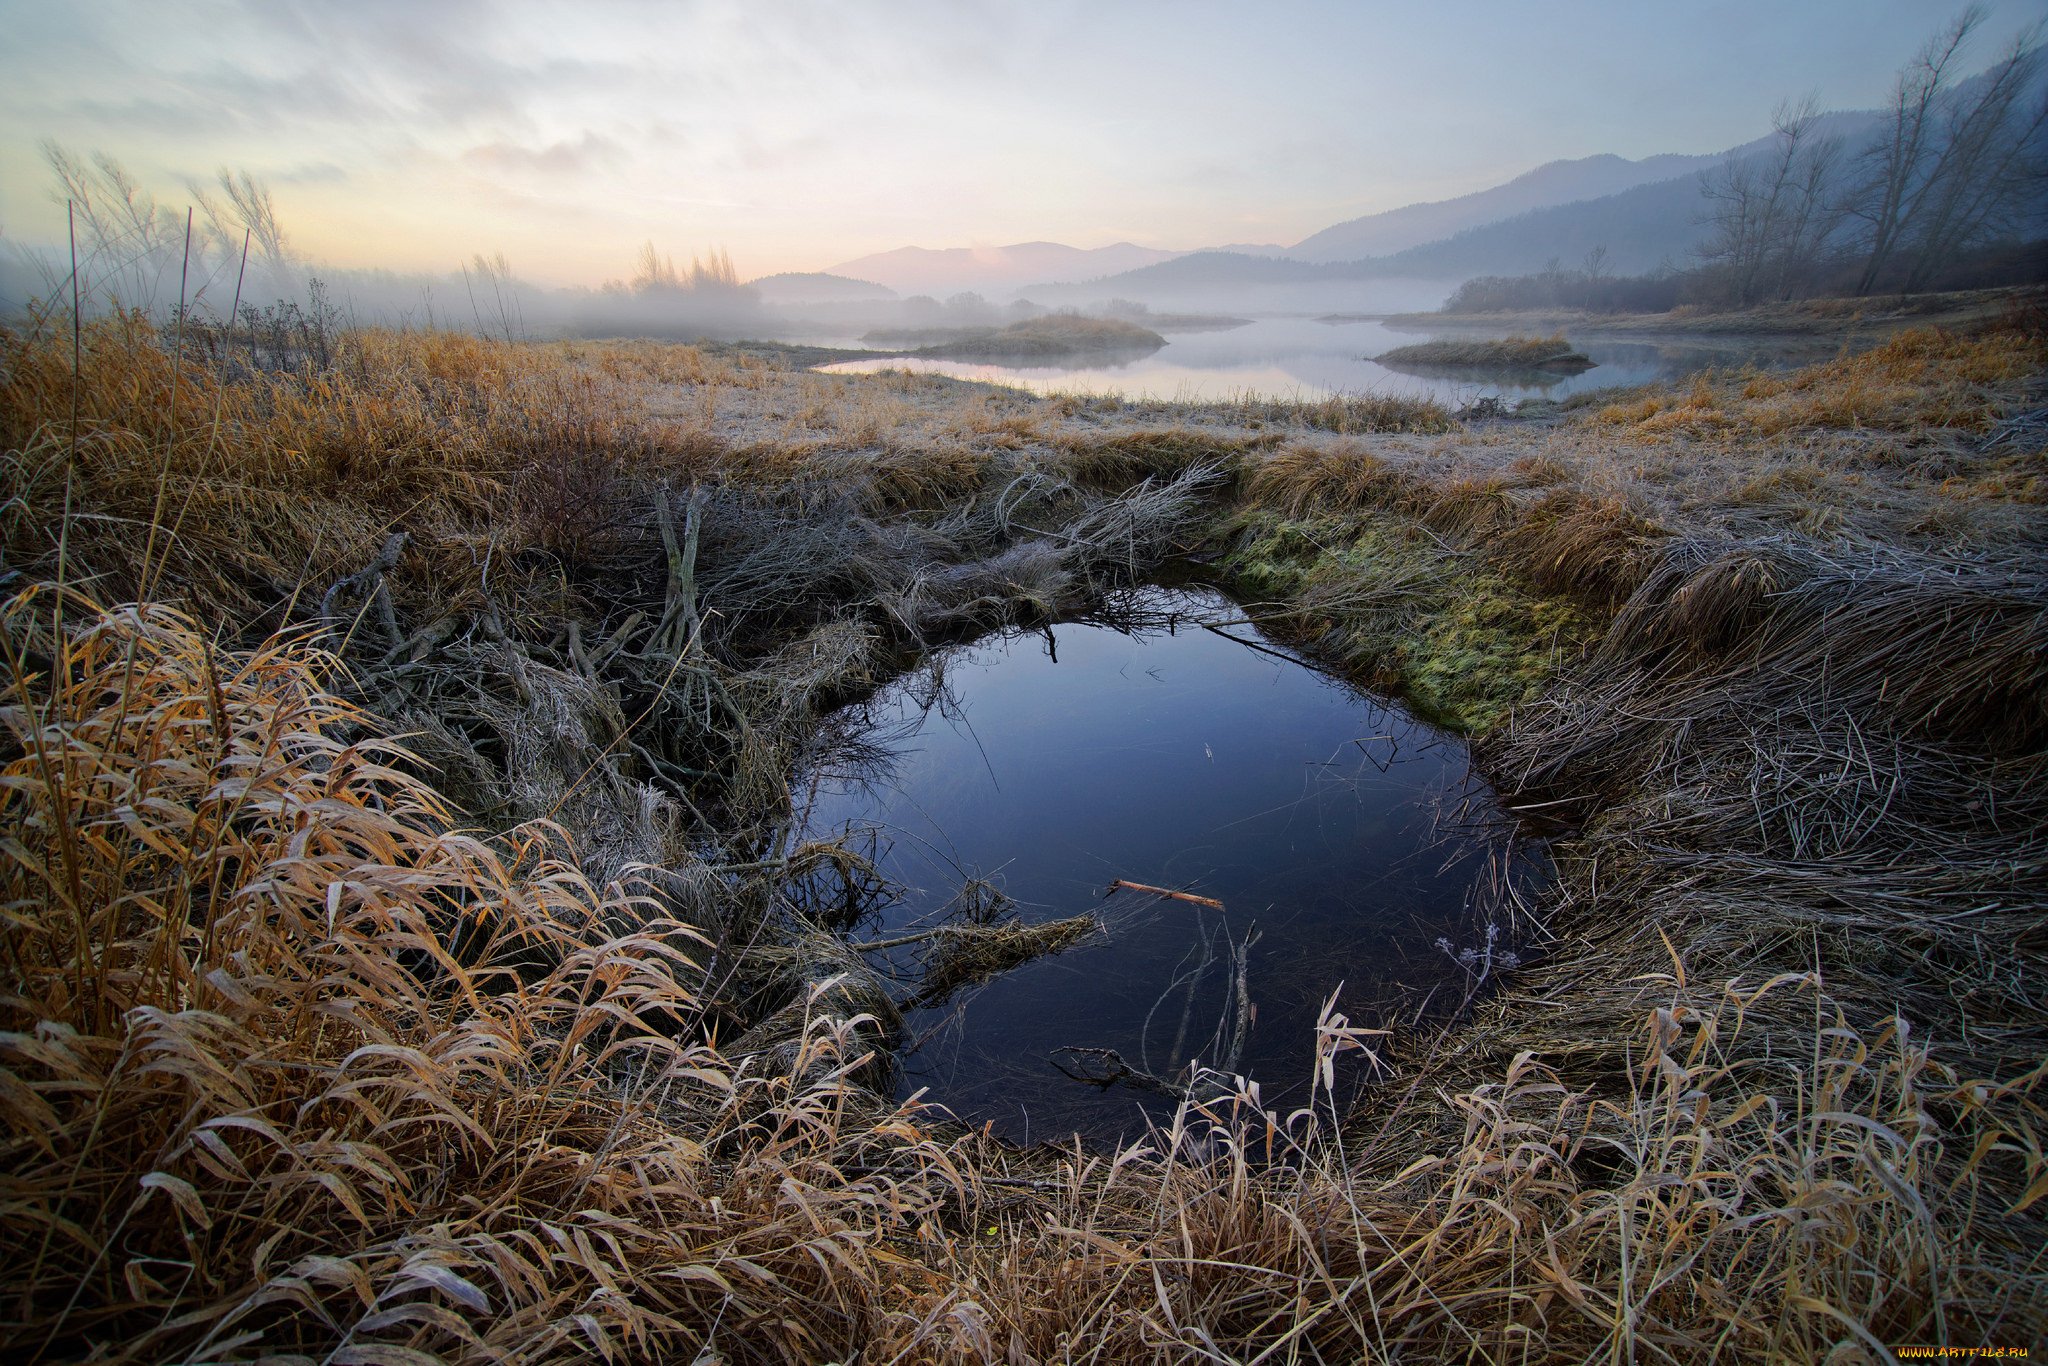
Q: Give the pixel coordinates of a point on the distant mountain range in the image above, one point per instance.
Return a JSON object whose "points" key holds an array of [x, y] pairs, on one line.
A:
{"points": [[1644, 213], [942, 271], [1558, 182]]}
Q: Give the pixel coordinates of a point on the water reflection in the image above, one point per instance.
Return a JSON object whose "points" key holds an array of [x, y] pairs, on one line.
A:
{"points": [[1353, 836], [1309, 358]]}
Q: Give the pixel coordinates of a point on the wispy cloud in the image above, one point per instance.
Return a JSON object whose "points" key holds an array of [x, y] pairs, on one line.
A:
{"points": [[585, 155], [813, 130]]}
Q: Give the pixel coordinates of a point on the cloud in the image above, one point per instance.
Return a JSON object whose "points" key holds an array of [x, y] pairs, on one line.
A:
{"points": [[310, 173], [591, 152]]}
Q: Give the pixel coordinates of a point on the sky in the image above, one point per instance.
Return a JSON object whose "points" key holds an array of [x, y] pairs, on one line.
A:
{"points": [[409, 134]]}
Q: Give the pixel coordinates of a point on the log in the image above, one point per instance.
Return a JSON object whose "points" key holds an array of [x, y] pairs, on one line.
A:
{"points": [[1128, 885]]}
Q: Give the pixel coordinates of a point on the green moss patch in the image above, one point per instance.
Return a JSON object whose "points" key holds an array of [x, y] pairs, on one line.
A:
{"points": [[1460, 640]]}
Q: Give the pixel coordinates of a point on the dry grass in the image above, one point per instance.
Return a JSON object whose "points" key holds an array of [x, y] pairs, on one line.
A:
{"points": [[243, 483], [1569, 542], [1052, 337], [295, 1066], [1917, 381], [1494, 353], [1344, 476]]}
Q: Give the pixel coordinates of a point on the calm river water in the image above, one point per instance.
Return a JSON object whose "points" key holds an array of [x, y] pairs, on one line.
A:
{"points": [[1305, 358]]}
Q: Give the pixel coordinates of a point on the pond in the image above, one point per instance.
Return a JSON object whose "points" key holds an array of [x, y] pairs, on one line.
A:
{"points": [[1301, 357], [1349, 841]]}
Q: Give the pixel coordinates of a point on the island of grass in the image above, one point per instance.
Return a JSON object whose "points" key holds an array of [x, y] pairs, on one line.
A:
{"points": [[1552, 353], [1056, 336]]}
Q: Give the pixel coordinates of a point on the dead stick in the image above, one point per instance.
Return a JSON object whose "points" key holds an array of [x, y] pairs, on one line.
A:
{"points": [[1165, 891]]}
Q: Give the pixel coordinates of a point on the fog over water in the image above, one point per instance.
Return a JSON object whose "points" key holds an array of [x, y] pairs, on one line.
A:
{"points": [[1288, 357]]}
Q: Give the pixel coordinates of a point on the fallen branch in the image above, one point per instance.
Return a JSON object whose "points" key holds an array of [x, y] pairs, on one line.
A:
{"points": [[368, 584], [1128, 885], [679, 625]]}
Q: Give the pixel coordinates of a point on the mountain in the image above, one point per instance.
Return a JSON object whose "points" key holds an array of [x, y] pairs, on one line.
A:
{"points": [[1642, 227], [941, 271], [1558, 182], [817, 287]]}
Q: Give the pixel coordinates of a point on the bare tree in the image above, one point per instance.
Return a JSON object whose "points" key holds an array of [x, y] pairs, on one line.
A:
{"points": [[1952, 165], [127, 241], [250, 208], [1808, 218], [1986, 176], [1771, 215], [134, 250], [494, 290]]}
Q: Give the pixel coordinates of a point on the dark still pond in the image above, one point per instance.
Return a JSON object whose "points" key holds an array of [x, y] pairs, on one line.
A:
{"points": [[1192, 755]]}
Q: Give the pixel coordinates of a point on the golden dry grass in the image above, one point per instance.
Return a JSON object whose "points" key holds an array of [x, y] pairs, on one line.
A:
{"points": [[294, 1065], [1918, 380], [1500, 353], [295, 1068]]}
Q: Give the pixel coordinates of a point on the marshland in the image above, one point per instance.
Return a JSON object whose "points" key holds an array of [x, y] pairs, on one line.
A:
{"points": [[593, 825]]}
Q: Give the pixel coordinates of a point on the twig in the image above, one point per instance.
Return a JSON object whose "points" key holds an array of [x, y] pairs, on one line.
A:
{"points": [[1127, 884]]}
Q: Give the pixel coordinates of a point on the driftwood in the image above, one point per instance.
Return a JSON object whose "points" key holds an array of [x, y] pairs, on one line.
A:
{"points": [[680, 626], [1127, 885], [367, 584]]}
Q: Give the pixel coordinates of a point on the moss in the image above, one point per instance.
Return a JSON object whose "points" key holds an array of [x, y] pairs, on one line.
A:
{"points": [[1461, 641], [1493, 647]]}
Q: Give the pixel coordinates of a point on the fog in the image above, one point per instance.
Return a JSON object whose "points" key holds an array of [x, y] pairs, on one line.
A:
{"points": [[1938, 184]]}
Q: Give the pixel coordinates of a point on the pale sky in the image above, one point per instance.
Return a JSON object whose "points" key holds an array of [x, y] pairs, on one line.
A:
{"points": [[411, 133]]}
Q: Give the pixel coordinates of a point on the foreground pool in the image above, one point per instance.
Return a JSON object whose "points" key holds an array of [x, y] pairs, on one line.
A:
{"points": [[1195, 755]]}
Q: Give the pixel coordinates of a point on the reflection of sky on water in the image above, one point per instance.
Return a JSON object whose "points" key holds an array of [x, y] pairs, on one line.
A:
{"points": [[1303, 358], [1184, 760]]}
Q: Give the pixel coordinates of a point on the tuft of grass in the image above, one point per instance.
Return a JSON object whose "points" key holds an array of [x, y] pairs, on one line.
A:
{"points": [[1462, 642], [1053, 336], [292, 1065], [1118, 460], [1306, 477], [1495, 353]]}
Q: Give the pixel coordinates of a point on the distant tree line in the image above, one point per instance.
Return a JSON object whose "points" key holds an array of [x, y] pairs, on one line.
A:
{"points": [[1950, 193], [1589, 287]]}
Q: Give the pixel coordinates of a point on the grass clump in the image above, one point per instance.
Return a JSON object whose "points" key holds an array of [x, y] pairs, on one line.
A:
{"points": [[1495, 353], [1463, 642], [293, 1065], [1052, 336]]}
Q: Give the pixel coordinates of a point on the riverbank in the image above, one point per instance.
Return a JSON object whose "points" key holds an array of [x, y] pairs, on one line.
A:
{"points": [[1965, 311], [528, 1029]]}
